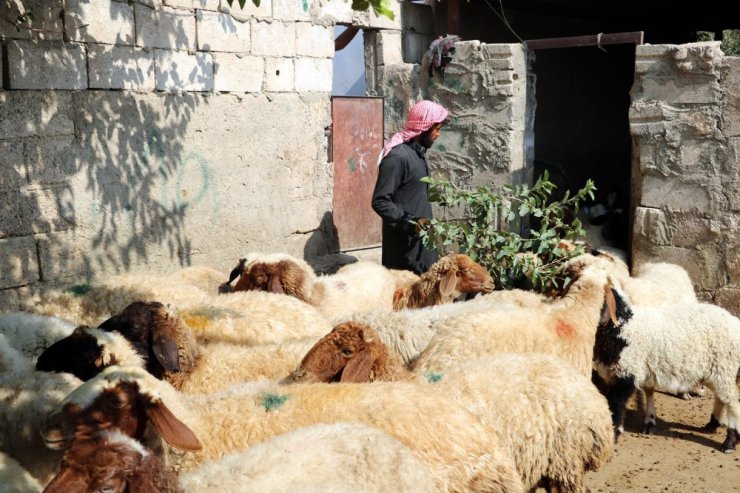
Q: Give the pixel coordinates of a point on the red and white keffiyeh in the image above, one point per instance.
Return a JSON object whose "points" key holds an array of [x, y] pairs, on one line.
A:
{"points": [[422, 116]]}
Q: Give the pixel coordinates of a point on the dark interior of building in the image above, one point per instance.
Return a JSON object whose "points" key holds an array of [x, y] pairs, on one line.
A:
{"points": [[583, 88]]}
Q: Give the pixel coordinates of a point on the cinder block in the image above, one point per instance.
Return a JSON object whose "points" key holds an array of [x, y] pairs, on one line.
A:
{"points": [[213, 5], [104, 22], [313, 74], [20, 265], [13, 174], [315, 41], [181, 71], [273, 39], [279, 75], [35, 114], [49, 161], [46, 65], [46, 25], [291, 10], [238, 73], [389, 47], [165, 27], [383, 22], [334, 12], [121, 67], [221, 32]]}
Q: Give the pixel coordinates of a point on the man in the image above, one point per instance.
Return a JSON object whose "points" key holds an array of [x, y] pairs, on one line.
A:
{"points": [[400, 199]]}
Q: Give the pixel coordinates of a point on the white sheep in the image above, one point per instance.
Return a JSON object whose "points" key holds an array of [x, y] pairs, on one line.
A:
{"points": [[341, 457], [554, 421], [30, 333], [253, 317], [15, 479], [27, 398], [408, 332], [459, 451], [355, 287], [565, 328], [673, 347]]}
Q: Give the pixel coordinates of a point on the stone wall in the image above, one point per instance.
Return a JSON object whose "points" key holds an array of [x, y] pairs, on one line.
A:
{"points": [[684, 121], [485, 90], [162, 134]]}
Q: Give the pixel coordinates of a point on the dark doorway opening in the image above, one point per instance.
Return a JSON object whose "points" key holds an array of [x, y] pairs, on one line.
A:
{"points": [[581, 131]]}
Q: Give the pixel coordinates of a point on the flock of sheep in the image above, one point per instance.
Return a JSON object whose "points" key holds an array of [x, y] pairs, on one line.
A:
{"points": [[366, 380]]}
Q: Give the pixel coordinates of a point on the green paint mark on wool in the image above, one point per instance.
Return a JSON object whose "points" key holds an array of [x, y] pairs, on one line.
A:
{"points": [[273, 401], [433, 377], [80, 289], [305, 5]]}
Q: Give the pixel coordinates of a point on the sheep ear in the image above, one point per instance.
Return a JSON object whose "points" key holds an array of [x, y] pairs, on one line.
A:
{"points": [[609, 311], [359, 368], [448, 283], [274, 285], [171, 429], [165, 350]]}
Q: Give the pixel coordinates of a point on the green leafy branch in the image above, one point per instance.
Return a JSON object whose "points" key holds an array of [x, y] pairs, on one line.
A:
{"points": [[511, 259], [380, 7]]}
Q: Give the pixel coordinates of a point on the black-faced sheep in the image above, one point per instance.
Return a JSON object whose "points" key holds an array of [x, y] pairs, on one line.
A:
{"points": [[673, 347], [459, 451]]}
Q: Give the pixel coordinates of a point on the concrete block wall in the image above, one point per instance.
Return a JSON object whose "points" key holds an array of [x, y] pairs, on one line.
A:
{"points": [[686, 165], [161, 134], [484, 88]]}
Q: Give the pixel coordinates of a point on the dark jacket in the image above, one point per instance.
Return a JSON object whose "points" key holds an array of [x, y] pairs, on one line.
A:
{"points": [[399, 198]]}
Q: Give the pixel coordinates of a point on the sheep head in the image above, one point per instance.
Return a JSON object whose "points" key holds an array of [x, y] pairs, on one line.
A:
{"points": [[351, 352], [153, 330], [451, 276], [86, 352], [117, 398], [283, 277], [111, 462]]}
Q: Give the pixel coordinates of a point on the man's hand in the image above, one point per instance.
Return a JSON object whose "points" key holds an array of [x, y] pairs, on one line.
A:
{"points": [[421, 224]]}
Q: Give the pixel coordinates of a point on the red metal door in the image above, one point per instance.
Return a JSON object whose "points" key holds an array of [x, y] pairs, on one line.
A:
{"points": [[357, 138]]}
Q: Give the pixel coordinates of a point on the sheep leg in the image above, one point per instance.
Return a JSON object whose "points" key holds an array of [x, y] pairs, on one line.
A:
{"points": [[650, 421], [619, 393], [714, 418], [733, 419]]}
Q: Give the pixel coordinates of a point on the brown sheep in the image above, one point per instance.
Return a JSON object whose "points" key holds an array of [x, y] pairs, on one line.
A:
{"points": [[112, 462], [451, 276], [351, 352]]}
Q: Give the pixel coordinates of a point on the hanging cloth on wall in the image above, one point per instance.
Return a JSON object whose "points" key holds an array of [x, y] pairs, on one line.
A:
{"points": [[440, 53]]}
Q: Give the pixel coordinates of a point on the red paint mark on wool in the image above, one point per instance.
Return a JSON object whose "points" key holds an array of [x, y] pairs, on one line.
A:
{"points": [[563, 328]]}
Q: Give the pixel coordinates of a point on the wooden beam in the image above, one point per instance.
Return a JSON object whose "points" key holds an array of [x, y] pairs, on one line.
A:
{"points": [[453, 17], [588, 40]]}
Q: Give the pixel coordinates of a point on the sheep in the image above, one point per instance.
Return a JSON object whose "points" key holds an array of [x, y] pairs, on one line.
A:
{"points": [[407, 332], [356, 287], [555, 423], [144, 334], [112, 462], [342, 457], [30, 333], [254, 317], [131, 339], [28, 397], [565, 328], [14, 478], [351, 352], [673, 347], [450, 277], [459, 451]]}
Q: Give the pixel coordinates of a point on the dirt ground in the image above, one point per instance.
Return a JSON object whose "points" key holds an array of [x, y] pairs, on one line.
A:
{"points": [[679, 457]]}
